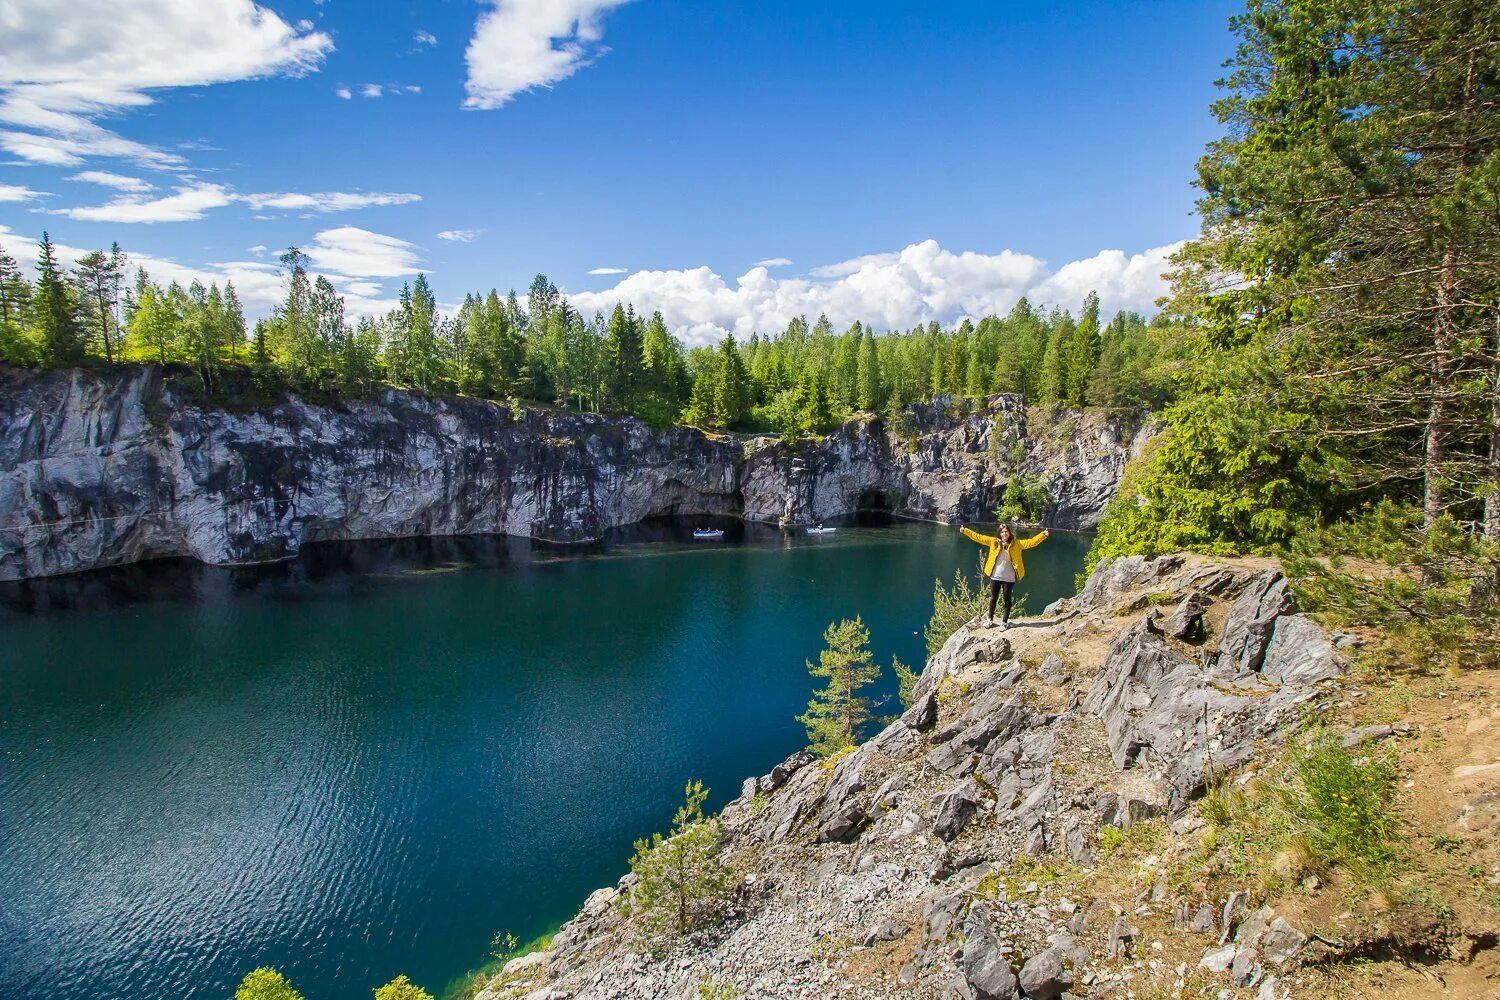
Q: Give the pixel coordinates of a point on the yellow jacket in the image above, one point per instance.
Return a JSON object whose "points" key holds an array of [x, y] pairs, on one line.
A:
{"points": [[1017, 546]]}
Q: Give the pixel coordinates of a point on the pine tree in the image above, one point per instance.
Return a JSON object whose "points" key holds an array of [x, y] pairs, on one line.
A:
{"points": [[731, 385], [1084, 349], [837, 714], [61, 337], [681, 881], [265, 984], [401, 988], [870, 389], [624, 352]]}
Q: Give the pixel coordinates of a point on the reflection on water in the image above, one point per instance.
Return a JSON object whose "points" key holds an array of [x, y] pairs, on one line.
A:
{"points": [[371, 759]]}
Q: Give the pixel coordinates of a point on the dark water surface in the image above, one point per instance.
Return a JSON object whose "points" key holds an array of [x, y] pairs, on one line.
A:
{"points": [[370, 760]]}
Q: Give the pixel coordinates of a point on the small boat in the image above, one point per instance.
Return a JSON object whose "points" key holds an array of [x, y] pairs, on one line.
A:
{"points": [[820, 530], [708, 533]]}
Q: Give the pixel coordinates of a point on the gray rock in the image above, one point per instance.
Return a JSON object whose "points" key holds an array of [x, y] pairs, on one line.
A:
{"points": [[1234, 911], [1045, 976], [1299, 653], [1112, 577], [883, 930], [1054, 670], [953, 809], [1121, 938], [986, 967], [923, 713], [1252, 618], [1202, 921], [1187, 617]]}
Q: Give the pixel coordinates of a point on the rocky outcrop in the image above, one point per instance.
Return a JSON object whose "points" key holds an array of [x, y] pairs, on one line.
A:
{"points": [[103, 469], [970, 848]]}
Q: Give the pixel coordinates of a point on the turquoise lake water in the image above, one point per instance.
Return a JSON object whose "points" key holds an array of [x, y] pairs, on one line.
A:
{"points": [[370, 760]]}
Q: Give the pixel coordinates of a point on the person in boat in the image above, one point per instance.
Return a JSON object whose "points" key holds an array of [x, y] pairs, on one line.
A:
{"points": [[1003, 565]]}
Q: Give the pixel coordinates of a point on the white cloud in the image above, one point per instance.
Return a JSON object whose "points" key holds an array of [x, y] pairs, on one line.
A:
{"points": [[64, 65], [187, 205], [425, 38], [328, 201], [412, 88], [773, 262], [259, 284], [370, 90], [359, 253], [259, 249], [519, 45], [608, 270], [17, 192], [458, 235], [119, 182], [893, 290], [344, 93]]}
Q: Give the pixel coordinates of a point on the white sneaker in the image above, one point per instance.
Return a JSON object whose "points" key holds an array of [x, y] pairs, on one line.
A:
{"points": [[1003, 625]]}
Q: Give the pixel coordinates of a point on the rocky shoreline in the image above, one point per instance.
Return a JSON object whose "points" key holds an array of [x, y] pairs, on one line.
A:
{"points": [[1020, 831], [103, 469]]}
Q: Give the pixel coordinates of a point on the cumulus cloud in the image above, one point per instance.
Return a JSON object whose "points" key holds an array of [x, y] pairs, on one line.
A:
{"points": [[259, 284], [370, 90], [773, 262], [187, 205], [359, 253], [458, 235], [519, 45], [18, 192], [425, 38], [328, 201], [119, 182], [894, 290], [608, 270], [344, 93], [62, 66]]}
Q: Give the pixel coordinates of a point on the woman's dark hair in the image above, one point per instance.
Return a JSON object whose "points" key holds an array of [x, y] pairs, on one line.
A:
{"points": [[1008, 530]]}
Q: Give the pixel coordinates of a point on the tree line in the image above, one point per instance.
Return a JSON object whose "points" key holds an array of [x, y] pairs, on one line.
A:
{"points": [[539, 348]]}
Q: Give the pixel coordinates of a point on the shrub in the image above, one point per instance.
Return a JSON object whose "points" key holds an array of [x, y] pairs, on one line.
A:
{"points": [[950, 610], [906, 681], [401, 989], [265, 984], [1431, 593], [682, 884]]}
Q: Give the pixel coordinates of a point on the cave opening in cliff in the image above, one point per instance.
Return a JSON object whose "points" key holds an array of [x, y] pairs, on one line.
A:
{"points": [[875, 507]]}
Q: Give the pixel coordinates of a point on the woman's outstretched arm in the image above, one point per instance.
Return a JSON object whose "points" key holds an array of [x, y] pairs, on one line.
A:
{"points": [[976, 536], [1035, 540]]}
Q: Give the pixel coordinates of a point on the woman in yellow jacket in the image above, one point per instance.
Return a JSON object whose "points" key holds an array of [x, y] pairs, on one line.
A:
{"points": [[1003, 565]]}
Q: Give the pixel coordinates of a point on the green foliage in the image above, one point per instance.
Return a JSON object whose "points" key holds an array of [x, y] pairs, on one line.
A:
{"points": [[1431, 593], [951, 608], [1320, 807], [682, 884], [838, 712], [265, 984], [401, 988], [906, 681], [1026, 498], [714, 989]]}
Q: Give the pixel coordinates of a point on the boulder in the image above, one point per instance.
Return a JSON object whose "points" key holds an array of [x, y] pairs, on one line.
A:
{"points": [[1046, 976], [923, 713], [1113, 577], [1300, 653], [953, 809], [1187, 617], [887, 929], [1054, 670], [1252, 618], [986, 968]]}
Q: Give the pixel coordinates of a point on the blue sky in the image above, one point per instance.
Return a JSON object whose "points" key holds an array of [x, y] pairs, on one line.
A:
{"points": [[906, 160]]}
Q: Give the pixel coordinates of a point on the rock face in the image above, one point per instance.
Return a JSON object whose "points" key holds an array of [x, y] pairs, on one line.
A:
{"points": [[965, 851], [99, 470]]}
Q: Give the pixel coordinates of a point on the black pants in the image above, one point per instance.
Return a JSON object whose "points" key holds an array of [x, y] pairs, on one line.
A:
{"points": [[998, 587]]}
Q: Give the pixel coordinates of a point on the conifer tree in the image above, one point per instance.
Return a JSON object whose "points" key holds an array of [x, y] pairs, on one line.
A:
{"points": [[265, 984], [681, 881], [836, 714], [61, 337]]}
